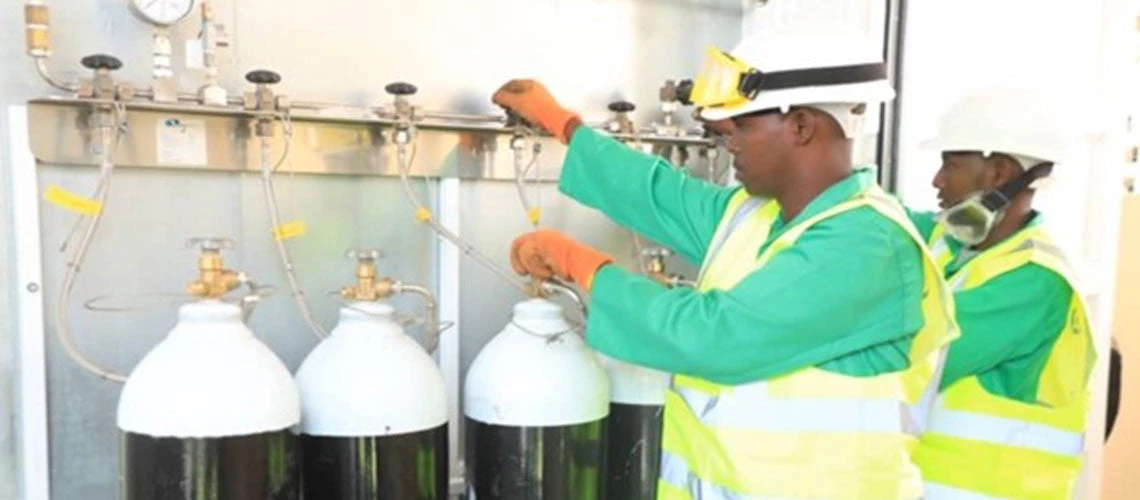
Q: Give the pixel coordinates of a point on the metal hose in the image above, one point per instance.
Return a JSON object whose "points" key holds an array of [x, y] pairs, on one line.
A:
{"points": [[282, 250], [432, 313], [424, 215], [110, 137], [45, 75], [533, 213]]}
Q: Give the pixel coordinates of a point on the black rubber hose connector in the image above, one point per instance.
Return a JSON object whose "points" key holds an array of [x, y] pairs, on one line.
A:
{"points": [[400, 88], [262, 77], [101, 61], [622, 107]]}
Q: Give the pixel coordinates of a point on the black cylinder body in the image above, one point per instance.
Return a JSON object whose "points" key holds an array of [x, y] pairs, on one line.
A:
{"points": [[254, 467], [633, 451], [409, 466], [535, 463]]}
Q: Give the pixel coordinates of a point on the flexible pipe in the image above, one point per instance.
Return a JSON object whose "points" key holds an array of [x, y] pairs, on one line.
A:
{"points": [[110, 138], [533, 212], [282, 250], [425, 216], [432, 312], [42, 71]]}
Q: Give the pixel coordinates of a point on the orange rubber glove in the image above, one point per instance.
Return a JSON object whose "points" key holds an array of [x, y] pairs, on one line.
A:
{"points": [[545, 253], [533, 103]]}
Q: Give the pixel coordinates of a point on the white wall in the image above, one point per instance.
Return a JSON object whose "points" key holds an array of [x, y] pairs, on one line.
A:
{"points": [[1072, 48]]}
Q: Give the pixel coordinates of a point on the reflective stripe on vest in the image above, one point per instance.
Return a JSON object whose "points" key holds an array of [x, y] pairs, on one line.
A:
{"points": [[752, 407], [675, 474], [983, 446], [1006, 431], [810, 433], [935, 491]]}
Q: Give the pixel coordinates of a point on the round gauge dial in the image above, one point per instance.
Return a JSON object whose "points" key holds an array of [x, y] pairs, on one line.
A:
{"points": [[162, 12]]}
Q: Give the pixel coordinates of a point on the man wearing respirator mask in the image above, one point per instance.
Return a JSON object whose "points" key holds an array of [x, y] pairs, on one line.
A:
{"points": [[1010, 419]]}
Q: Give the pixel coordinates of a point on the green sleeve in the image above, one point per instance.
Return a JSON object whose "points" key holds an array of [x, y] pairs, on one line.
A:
{"points": [[1009, 326], [923, 221], [838, 294], [643, 193]]}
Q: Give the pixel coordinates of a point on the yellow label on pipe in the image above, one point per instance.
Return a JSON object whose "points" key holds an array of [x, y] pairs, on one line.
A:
{"points": [[423, 215], [535, 215], [289, 230], [71, 201]]}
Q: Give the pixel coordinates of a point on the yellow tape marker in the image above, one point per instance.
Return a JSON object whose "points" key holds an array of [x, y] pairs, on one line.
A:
{"points": [[71, 201], [535, 215], [423, 215], [289, 230]]}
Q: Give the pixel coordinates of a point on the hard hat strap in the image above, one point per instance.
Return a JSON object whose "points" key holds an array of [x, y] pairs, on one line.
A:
{"points": [[753, 82], [999, 199]]}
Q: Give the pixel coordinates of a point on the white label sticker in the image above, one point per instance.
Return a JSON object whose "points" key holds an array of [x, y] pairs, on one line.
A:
{"points": [[194, 57], [181, 141]]}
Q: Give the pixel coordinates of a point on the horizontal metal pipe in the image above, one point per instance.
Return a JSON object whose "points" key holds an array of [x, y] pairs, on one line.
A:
{"points": [[308, 115]]}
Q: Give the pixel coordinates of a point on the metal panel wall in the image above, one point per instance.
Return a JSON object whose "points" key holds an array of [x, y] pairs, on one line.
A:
{"points": [[588, 51]]}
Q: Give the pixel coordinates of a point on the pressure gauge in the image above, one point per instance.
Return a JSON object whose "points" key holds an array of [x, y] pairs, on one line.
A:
{"points": [[162, 12]]}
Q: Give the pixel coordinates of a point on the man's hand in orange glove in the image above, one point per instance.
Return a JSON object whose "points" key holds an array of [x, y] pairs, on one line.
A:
{"points": [[545, 253], [533, 103]]}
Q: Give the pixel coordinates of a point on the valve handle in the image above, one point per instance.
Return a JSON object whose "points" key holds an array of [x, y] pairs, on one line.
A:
{"points": [[209, 244], [622, 107], [101, 61], [262, 77], [365, 254], [513, 119], [685, 92], [400, 88], [656, 252]]}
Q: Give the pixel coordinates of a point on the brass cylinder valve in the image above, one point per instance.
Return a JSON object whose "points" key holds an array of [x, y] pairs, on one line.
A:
{"points": [[655, 268], [537, 289], [367, 286], [214, 280]]}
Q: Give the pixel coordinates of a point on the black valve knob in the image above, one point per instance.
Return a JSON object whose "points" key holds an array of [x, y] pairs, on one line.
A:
{"points": [[622, 107], [262, 77], [513, 119], [685, 92], [101, 61], [400, 88]]}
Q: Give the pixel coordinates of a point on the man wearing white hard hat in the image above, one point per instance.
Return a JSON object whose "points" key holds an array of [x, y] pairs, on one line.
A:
{"points": [[802, 359], [1010, 420]]}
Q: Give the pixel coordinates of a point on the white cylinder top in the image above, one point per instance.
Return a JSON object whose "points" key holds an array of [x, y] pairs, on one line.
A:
{"points": [[368, 378], [536, 373], [631, 384], [210, 377]]}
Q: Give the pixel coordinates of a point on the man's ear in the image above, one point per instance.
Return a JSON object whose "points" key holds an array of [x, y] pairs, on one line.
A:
{"points": [[802, 125], [1004, 169]]}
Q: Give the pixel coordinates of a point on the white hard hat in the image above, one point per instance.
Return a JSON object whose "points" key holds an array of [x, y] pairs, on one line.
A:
{"points": [[839, 73], [1024, 123]]}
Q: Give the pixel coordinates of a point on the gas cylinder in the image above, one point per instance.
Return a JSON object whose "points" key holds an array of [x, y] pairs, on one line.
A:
{"points": [[208, 412], [535, 402], [633, 430], [374, 406]]}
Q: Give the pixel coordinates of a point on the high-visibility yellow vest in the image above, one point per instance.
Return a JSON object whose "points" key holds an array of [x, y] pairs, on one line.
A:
{"points": [[983, 446], [810, 434]]}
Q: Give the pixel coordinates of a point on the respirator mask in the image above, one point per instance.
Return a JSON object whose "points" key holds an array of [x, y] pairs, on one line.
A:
{"points": [[971, 220]]}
